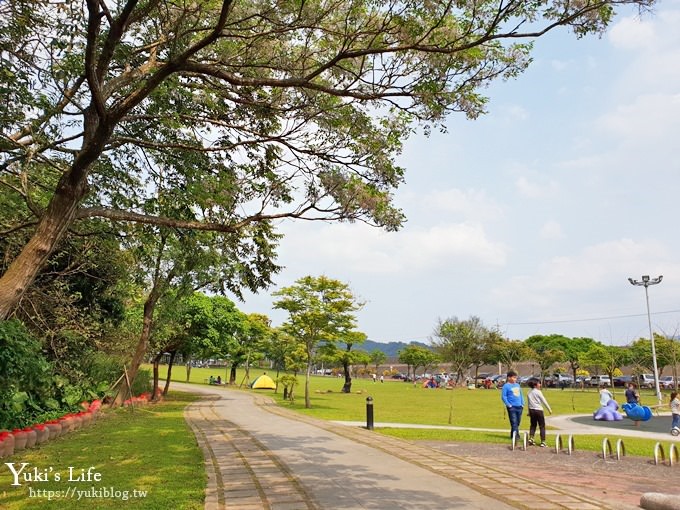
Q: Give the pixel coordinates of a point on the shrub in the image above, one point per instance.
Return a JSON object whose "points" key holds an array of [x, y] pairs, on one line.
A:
{"points": [[27, 386]]}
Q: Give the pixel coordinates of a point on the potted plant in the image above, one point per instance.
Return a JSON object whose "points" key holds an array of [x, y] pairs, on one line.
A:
{"points": [[55, 427], [31, 437], [43, 433], [6, 444], [20, 438]]}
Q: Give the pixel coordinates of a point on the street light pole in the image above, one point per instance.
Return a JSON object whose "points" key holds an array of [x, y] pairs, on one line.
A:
{"points": [[646, 282]]}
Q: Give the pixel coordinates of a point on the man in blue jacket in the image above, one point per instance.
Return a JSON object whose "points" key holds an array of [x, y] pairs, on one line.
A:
{"points": [[514, 401]]}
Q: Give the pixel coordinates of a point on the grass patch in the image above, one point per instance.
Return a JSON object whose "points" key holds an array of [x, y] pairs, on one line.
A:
{"points": [[399, 402], [149, 449]]}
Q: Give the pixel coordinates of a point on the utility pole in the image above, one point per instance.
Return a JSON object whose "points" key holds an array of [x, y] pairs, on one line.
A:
{"points": [[646, 282]]}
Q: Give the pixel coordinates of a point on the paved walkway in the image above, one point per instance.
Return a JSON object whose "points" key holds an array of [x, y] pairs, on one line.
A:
{"points": [[262, 456], [658, 428]]}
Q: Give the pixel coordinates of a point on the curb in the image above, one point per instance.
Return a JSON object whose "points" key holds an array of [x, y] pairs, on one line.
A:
{"points": [[659, 501]]}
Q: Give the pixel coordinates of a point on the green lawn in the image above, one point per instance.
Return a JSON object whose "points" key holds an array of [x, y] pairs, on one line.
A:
{"points": [[399, 402], [150, 450]]}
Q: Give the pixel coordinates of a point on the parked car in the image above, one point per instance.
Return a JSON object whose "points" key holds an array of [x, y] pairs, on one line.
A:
{"points": [[597, 380], [667, 382], [499, 380], [559, 381], [623, 381], [646, 380], [581, 380]]}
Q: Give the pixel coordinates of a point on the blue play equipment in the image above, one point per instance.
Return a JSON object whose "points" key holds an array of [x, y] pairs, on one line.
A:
{"points": [[637, 412], [609, 412]]}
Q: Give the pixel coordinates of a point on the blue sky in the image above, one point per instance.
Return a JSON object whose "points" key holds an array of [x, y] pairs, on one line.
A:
{"points": [[533, 216]]}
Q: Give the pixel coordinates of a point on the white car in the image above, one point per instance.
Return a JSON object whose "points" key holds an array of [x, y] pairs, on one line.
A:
{"points": [[598, 380], [667, 382], [646, 380]]}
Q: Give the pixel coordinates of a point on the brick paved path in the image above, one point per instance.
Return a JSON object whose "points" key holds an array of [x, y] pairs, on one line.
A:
{"points": [[305, 463]]}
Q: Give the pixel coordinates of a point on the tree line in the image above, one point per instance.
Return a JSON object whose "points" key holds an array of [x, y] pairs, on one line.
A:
{"points": [[149, 149], [467, 345]]}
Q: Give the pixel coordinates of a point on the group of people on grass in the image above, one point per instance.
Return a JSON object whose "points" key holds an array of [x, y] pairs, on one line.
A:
{"points": [[513, 398], [215, 380]]}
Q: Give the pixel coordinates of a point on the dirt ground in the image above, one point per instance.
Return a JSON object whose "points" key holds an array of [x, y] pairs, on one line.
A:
{"points": [[585, 473]]}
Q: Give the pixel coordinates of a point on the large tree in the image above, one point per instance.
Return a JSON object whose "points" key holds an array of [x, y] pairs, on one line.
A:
{"points": [[606, 358], [641, 353], [252, 110], [548, 350], [461, 343], [377, 358], [415, 356], [320, 310], [508, 352], [340, 351]]}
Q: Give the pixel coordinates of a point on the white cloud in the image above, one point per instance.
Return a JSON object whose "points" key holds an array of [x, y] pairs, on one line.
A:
{"points": [[633, 33], [552, 230], [647, 118], [534, 189], [471, 204], [595, 269], [514, 112], [559, 65], [363, 249]]}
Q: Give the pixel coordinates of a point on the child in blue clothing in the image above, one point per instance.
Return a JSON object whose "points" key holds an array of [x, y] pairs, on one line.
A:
{"points": [[512, 397]]}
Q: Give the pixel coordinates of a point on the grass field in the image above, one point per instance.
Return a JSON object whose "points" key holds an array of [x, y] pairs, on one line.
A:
{"points": [[150, 450], [400, 402]]}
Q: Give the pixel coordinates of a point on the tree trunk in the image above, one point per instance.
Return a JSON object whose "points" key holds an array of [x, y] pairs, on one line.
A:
{"points": [[347, 387], [167, 379], [232, 375], [50, 230], [156, 362], [308, 401], [188, 366], [57, 218], [143, 343]]}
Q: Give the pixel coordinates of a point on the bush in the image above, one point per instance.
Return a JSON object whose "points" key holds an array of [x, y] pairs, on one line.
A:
{"points": [[27, 387], [143, 382], [33, 389]]}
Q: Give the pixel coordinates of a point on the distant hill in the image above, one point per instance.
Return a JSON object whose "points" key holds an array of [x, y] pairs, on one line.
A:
{"points": [[391, 349]]}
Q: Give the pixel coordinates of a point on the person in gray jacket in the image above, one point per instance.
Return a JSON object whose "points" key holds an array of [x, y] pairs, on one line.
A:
{"points": [[536, 402]]}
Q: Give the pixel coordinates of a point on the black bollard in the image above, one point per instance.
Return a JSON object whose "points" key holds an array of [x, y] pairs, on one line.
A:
{"points": [[369, 413]]}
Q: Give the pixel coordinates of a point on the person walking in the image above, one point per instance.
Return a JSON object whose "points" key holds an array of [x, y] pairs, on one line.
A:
{"points": [[605, 395], [536, 402], [512, 397], [675, 410]]}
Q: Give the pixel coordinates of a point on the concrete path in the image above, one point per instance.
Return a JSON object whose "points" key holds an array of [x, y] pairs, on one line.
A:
{"points": [[657, 428], [261, 456]]}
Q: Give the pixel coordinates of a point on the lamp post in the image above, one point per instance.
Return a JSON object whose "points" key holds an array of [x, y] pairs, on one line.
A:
{"points": [[646, 282]]}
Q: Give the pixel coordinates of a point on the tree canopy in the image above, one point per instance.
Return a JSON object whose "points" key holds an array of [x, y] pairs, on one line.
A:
{"points": [[320, 309], [462, 343], [240, 113]]}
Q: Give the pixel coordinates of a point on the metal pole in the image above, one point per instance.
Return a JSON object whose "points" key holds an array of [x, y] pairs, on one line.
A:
{"points": [[369, 413], [651, 338]]}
